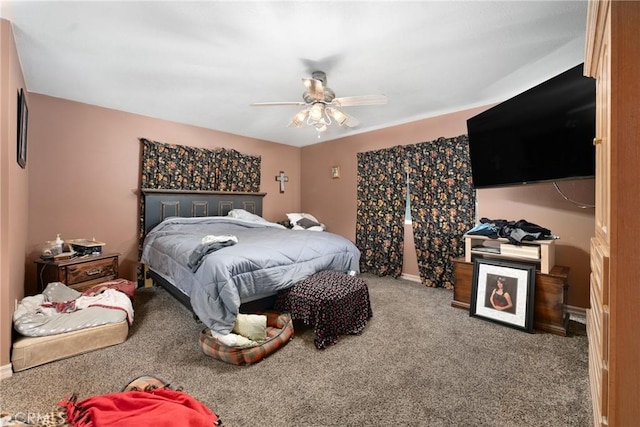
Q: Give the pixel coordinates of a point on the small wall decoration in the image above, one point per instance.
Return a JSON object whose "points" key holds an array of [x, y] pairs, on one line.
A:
{"points": [[503, 292], [335, 172], [23, 116], [282, 178]]}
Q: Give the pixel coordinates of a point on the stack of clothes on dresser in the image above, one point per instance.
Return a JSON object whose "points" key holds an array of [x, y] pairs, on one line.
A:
{"points": [[516, 231]]}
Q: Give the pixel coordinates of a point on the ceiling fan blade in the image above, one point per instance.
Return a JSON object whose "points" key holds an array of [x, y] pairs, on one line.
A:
{"points": [[315, 88], [269, 104], [350, 101]]}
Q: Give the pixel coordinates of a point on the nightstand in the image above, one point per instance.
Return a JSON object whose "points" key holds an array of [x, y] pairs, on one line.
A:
{"points": [[78, 273]]}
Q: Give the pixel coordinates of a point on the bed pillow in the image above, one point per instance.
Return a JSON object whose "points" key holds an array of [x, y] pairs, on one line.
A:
{"points": [[245, 215], [295, 217], [306, 223]]}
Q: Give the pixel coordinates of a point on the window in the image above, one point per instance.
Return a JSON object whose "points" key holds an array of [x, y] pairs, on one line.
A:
{"points": [[407, 205]]}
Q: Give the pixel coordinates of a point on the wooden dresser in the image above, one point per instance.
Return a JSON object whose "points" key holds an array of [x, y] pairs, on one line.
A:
{"points": [[78, 273], [612, 57]]}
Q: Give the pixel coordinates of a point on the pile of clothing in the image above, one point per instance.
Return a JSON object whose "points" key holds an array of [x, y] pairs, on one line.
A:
{"points": [[59, 308], [516, 231]]}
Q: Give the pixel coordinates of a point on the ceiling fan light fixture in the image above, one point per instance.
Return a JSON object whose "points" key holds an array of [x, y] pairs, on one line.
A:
{"points": [[337, 115], [315, 114], [299, 118], [321, 107]]}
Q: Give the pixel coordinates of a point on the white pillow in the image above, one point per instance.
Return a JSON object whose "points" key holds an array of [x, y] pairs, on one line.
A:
{"points": [[252, 326], [295, 217], [245, 215]]}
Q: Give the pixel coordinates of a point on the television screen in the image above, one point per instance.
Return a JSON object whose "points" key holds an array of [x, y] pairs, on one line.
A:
{"points": [[543, 134]]}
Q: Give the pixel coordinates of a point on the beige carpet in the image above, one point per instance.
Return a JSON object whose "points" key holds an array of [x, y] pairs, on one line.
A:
{"points": [[419, 362]]}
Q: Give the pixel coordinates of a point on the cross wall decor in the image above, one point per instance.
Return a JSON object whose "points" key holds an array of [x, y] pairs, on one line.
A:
{"points": [[282, 178]]}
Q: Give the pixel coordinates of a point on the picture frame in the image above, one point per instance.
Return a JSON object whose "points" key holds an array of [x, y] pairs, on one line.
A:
{"points": [[23, 122], [503, 292], [335, 172]]}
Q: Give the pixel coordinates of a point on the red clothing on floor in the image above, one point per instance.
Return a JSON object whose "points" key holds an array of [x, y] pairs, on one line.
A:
{"points": [[159, 407]]}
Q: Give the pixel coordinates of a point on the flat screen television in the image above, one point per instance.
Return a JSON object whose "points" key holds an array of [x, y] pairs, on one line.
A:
{"points": [[543, 134]]}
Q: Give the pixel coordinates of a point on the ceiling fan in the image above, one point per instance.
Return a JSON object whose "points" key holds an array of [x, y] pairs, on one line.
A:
{"points": [[321, 104]]}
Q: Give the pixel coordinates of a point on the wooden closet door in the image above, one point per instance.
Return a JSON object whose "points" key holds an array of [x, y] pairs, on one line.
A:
{"points": [[613, 58], [597, 65]]}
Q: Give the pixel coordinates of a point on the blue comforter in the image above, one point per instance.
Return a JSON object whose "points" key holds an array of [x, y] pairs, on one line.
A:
{"points": [[267, 258]]}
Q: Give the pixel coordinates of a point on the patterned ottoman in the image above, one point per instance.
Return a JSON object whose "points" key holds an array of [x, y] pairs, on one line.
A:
{"points": [[331, 302]]}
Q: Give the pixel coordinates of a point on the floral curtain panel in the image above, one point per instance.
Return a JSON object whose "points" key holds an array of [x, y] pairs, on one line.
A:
{"points": [[170, 166], [380, 211], [178, 167], [442, 207]]}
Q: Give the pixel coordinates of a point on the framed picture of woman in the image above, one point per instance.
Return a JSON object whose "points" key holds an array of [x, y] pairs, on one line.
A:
{"points": [[503, 292]]}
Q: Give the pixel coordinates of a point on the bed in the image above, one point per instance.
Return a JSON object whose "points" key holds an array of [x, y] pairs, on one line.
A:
{"points": [[266, 258]]}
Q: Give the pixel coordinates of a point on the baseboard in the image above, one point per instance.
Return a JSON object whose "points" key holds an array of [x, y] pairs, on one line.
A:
{"points": [[6, 371], [411, 277], [578, 314]]}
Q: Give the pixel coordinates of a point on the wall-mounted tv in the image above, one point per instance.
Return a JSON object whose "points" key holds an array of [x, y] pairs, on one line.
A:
{"points": [[543, 134]]}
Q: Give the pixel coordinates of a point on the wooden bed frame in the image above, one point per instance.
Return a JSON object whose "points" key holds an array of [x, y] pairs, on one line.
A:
{"points": [[161, 204]]}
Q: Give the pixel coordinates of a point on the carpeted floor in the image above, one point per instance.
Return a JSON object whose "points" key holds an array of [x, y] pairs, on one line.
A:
{"points": [[419, 362]]}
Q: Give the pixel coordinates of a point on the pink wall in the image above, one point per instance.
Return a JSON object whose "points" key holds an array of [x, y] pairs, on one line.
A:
{"points": [[333, 201], [85, 174], [544, 205], [14, 212]]}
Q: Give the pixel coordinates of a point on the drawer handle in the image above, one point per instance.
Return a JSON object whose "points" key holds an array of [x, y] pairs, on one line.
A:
{"points": [[94, 271]]}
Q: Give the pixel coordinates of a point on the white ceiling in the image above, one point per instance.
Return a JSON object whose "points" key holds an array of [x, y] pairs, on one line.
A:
{"points": [[203, 63]]}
